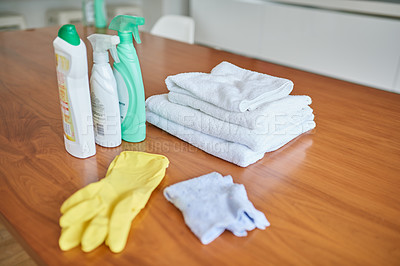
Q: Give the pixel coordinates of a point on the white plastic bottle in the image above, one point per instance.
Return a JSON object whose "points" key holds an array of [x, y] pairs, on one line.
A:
{"points": [[88, 12], [104, 94], [73, 85]]}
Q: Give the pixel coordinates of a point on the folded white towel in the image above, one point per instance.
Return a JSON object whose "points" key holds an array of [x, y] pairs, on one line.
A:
{"points": [[232, 152], [230, 87], [255, 119], [257, 140], [211, 204]]}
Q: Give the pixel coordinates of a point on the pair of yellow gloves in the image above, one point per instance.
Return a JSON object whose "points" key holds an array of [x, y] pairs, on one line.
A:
{"points": [[103, 211]]}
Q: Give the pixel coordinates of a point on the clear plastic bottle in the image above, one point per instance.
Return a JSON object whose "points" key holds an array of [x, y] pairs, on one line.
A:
{"points": [[73, 85], [104, 94]]}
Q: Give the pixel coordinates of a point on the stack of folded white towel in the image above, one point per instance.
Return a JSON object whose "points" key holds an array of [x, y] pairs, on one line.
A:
{"points": [[232, 113]]}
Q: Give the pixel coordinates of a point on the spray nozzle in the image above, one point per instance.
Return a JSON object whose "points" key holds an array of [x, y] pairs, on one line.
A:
{"points": [[125, 23], [103, 42]]}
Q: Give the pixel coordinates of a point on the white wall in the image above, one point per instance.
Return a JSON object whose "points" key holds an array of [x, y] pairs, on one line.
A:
{"points": [[372, 7], [154, 9], [176, 7], [355, 47], [34, 11]]}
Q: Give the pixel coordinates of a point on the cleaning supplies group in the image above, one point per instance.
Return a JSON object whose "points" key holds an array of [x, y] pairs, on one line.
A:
{"points": [[235, 114], [103, 211], [116, 98]]}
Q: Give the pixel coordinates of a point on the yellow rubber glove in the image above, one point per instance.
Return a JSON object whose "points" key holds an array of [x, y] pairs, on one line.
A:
{"points": [[103, 211]]}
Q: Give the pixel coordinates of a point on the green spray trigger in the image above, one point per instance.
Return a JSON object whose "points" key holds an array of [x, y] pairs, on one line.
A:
{"points": [[125, 23]]}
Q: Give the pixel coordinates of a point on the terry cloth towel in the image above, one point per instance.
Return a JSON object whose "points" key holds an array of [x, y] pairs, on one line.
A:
{"points": [[211, 204], [255, 119], [232, 152], [257, 140], [230, 87]]}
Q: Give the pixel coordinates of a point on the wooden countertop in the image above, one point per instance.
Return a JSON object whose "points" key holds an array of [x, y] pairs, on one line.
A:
{"points": [[332, 195]]}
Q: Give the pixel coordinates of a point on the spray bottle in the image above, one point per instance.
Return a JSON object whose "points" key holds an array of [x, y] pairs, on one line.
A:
{"points": [[73, 86], [129, 79], [104, 94], [88, 12], [100, 15]]}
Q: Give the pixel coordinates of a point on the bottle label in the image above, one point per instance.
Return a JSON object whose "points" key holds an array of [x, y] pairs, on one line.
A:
{"points": [[99, 115], [63, 66]]}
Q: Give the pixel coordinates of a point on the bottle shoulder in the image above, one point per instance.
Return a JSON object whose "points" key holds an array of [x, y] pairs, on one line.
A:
{"points": [[102, 71], [126, 52], [103, 79], [72, 50], [76, 56]]}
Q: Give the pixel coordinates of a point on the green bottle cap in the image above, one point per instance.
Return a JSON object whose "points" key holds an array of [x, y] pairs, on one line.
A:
{"points": [[68, 33]]}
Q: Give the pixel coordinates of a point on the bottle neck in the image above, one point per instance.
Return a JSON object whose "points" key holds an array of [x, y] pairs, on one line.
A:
{"points": [[100, 57], [125, 37]]}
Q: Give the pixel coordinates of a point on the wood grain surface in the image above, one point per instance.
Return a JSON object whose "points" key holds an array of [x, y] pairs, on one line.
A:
{"points": [[332, 195]]}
